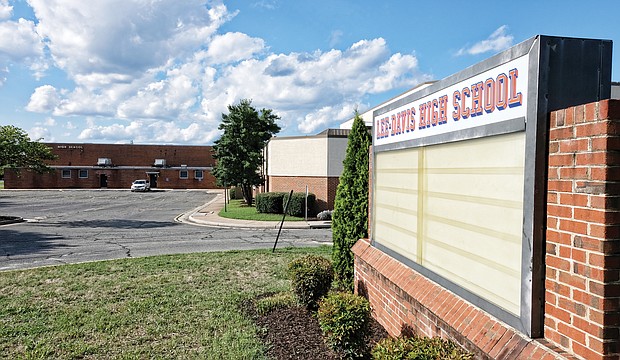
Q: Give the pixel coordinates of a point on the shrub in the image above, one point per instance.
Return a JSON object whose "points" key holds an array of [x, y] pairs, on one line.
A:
{"points": [[344, 319], [234, 193], [275, 301], [324, 215], [311, 278], [350, 218], [270, 202], [297, 203], [418, 348]]}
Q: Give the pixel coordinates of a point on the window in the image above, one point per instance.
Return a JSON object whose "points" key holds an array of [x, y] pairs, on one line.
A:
{"points": [[183, 174], [66, 174], [83, 174], [198, 174]]}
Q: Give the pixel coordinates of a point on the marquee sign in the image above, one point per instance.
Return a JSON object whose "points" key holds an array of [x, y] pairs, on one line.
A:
{"points": [[459, 172]]}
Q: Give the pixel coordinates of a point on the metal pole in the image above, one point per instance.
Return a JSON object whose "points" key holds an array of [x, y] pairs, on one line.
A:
{"points": [[282, 223], [225, 197], [306, 210]]}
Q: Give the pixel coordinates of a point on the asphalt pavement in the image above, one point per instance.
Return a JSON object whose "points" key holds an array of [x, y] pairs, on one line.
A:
{"points": [[73, 226]]}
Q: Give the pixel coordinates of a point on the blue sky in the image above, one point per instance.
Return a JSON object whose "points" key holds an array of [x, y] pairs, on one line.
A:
{"points": [[163, 72]]}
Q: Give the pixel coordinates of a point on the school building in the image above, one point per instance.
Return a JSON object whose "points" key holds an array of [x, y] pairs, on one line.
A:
{"points": [[116, 166], [313, 162]]}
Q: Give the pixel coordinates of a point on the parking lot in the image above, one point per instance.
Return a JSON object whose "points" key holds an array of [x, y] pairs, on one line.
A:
{"points": [[70, 226]]}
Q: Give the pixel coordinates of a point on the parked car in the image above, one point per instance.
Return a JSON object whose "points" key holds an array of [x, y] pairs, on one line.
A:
{"points": [[140, 185]]}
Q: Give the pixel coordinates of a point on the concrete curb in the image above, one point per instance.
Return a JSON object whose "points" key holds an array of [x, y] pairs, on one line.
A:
{"points": [[207, 215]]}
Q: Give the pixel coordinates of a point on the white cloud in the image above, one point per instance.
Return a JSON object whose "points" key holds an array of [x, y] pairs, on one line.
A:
{"points": [[158, 71], [123, 37], [44, 99], [3, 75], [310, 89], [156, 132], [6, 10], [233, 47], [42, 133], [19, 40], [50, 122], [266, 4], [324, 116], [499, 40], [335, 37], [69, 125]]}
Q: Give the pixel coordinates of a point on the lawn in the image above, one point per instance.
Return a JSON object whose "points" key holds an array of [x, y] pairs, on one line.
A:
{"points": [[237, 209], [177, 306]]}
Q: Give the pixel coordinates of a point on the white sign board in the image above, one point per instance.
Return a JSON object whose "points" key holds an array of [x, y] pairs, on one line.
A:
{"points": [[493, 96]]}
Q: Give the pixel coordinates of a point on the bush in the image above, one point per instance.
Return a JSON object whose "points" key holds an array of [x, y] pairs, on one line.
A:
{"points": [[311, 278], [270, 202], [418, 348], [297, 203], [344, 319], [324, 215], [350, 218], [234, 193], [275, 301]]}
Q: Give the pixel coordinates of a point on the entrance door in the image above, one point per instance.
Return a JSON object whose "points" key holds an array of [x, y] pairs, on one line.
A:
{"points": [[103, 180], [153, 180]]}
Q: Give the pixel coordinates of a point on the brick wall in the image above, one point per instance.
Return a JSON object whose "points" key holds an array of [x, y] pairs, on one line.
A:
{"points": [[131, 154], [116, 179], [323, 187], [406, 302], [130, 162], [582, 299], [582, 285]]}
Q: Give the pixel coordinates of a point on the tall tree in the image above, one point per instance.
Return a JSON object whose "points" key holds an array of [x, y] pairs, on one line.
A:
{"points": [[19, 152], [239, 151], [350, 218]]}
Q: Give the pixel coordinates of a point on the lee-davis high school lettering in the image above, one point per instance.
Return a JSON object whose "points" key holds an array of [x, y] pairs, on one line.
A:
{"points": [[493, 96]]}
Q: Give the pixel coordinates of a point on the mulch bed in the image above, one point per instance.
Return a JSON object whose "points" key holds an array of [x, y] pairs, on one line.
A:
{"points": [[294, 333]]}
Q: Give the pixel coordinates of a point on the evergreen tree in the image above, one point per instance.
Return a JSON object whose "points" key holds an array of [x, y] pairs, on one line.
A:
{"points": [[350, 218], [239, 151], [18, 151]]}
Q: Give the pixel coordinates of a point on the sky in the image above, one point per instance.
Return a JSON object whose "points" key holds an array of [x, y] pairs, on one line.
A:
{"points": [[164, 71]]}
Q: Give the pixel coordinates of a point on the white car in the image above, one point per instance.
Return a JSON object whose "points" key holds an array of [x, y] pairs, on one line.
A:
{"points": [[140, 185]]}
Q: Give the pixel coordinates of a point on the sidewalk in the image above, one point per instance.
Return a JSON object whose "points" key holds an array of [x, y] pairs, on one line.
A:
{"points": [[208, 215]]}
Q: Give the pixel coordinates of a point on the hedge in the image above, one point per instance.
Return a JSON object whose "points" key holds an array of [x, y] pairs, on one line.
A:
{"points": [[270, 202], [296, 205]]}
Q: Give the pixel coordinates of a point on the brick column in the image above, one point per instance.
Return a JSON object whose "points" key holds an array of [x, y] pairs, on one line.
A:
{"points": [[582, 297]]}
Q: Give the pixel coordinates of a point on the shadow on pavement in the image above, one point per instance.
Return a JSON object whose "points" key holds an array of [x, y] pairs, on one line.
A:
{"points": [[22, 242], [118, 224]]}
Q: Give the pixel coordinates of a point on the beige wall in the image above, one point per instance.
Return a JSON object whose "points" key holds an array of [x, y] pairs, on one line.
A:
{"points": [[297, 156], [306, 156]]}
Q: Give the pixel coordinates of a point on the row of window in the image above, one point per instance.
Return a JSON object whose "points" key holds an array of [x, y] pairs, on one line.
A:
{"points": [[83, 174], [184, 174]]}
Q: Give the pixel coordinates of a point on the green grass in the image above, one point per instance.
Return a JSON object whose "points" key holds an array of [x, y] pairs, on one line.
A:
{"points": [[178, 306], [236, 209], [1, 184]]}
